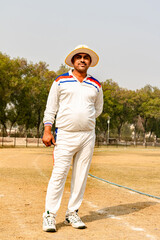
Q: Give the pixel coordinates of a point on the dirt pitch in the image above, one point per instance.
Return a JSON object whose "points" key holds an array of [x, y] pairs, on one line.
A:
{"points": [[110, 212]]}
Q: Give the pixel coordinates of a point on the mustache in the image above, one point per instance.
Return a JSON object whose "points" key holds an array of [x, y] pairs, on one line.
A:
{"points": [[82, 63]]}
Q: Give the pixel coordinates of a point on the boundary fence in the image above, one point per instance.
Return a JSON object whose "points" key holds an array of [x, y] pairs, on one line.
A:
{"points": [[37, 142], [20, 142]]}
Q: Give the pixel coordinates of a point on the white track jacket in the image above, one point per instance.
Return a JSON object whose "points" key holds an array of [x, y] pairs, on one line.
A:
{"points": [[75, 104]]}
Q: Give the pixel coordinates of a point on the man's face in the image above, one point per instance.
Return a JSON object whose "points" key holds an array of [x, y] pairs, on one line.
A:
{"points": [[81, 62]]}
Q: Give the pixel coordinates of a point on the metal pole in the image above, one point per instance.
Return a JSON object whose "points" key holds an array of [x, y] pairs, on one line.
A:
{"points": [[15, 138], [26, 141], [108, 130]]}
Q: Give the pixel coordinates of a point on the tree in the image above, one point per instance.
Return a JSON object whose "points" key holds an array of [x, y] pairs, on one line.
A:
{"points": [[6, 74], [118, 105], [109, 87], [17, 84], [63, 69], [30, 102], [39, 84]]}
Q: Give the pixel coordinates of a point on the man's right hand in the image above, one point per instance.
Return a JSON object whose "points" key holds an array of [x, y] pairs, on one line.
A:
{"points": [[48, 138]]}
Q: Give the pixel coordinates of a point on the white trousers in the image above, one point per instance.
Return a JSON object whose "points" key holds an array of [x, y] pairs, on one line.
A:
{"points": [[78, 146]]}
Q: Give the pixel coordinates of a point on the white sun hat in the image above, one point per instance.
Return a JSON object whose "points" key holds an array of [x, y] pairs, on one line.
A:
{"points": [[82, 49]]}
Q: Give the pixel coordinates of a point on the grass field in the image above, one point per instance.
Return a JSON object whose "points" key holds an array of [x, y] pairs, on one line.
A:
{"points": [[110, 212], [137, 168]]}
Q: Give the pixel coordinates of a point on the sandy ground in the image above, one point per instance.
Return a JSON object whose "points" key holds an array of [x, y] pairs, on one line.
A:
{"points": [[109, 212]]}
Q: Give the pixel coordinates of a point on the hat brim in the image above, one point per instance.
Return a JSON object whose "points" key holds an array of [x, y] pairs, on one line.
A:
{"points": [[90, 52]]}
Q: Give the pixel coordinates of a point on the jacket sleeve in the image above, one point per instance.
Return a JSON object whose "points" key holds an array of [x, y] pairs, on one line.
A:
{"points": [[99, 103], [52, 105]]}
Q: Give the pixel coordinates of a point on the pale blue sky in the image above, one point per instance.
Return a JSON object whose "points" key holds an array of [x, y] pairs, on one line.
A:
{"points": [[124, 33]]}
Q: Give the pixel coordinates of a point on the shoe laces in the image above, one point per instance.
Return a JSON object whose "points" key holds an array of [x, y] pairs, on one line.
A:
{"points": [[75, 217], [50, 220]]}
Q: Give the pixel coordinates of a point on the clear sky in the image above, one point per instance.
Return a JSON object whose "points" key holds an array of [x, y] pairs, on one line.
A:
{"points": [[124, 33]]}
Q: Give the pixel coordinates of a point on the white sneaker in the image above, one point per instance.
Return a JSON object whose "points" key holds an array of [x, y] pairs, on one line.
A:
{"points": [[73, 219], [49, 222]]}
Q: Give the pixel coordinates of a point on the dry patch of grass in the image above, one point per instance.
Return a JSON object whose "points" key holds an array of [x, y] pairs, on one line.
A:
{"points": [[135, 168]]}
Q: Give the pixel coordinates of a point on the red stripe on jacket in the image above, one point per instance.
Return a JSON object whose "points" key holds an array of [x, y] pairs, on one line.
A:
{"points": [[63, 77], [95, 81]]}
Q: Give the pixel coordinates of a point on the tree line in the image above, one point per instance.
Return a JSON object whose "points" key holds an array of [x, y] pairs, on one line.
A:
{"points": [[24, 89], [138, 110]]}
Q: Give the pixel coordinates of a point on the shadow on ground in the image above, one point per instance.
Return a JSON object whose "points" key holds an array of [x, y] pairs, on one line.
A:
{"points": [[115, 211]]}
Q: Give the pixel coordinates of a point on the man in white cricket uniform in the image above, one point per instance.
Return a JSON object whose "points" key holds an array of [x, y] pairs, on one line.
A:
{"points": [[76, 99]]}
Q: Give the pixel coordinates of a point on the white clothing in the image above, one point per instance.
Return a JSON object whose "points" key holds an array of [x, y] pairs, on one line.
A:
{"points": [[76, 145], [77, 104]]}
